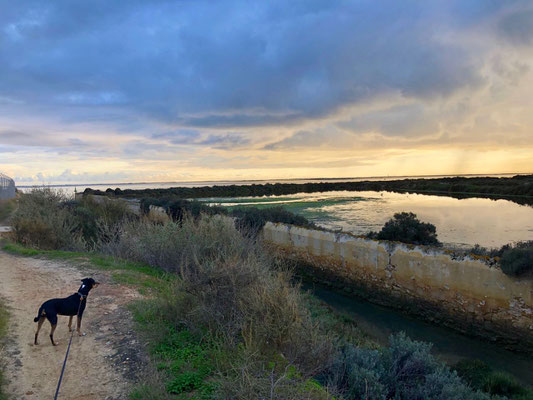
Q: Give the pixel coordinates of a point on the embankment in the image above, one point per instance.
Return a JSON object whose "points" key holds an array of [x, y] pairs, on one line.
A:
{"points": [[465, 293]]}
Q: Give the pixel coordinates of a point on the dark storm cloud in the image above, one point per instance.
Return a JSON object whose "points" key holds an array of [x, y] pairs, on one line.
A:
{"points": [[194, 137], [406, 120], [517, 27], [231, 63], [223, 142], [181, 136]]}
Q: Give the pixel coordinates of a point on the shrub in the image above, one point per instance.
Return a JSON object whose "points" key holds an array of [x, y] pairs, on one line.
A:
{"points": [[517, 260], [407, 228], [173, 246], [480, 376], [252, 219], [42, 221], [404, 370], [6, 209], [473, 372], [179, 208], [247, 219], [97, 219], [228, 286], [260, 380], [502, 384]]}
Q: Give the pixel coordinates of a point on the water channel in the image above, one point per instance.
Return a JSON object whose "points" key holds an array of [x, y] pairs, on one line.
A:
{"points": [[450, 346]]}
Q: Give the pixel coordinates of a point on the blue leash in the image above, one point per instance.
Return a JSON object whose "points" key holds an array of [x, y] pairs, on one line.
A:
{"points": [[66, 355]]}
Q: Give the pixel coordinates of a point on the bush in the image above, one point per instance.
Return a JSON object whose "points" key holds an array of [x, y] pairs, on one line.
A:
{"points": [[228, 286], [404, 370], [97, 219], [473, 372], [252, 219], [43, 221], [517, 260], [406, 228], [6, 209], [47, 219], [502, 384], [180, 208], [247, 219], [173, 245], [480, 376]]}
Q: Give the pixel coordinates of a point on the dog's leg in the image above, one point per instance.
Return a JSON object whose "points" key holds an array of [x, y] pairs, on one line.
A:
{"points": [[79, 326], [40, 323], [52, 334], [70, 323]]}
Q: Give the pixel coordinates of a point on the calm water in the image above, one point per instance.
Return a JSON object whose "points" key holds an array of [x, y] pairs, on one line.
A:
{"points": [[459, 222], [450, 346], [71, 188]]}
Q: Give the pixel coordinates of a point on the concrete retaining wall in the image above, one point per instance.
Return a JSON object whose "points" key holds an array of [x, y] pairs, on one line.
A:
{"points": [[464, 293]]}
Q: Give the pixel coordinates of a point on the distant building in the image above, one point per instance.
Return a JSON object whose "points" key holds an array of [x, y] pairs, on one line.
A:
{"points": [[7, 187]]}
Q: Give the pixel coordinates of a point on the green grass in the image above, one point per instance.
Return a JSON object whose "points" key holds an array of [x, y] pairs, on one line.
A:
{"points": [[3, 331], [185, 363], [131, 273]]}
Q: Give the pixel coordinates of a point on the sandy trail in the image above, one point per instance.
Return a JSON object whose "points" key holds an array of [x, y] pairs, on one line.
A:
{"points": [[101, 365]]}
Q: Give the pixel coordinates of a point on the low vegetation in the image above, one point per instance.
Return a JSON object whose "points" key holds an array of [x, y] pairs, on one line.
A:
{"points": [[515, 259], [224, 319], [248, 219], [517, 188], [480, 376], [6, 209], [407, 228]]}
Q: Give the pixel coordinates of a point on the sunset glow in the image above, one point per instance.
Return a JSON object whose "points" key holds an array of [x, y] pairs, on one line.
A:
{"points": [[182, 91]]}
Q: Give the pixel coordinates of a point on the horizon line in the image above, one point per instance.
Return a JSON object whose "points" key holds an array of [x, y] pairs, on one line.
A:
{"points": [[276, 179]]}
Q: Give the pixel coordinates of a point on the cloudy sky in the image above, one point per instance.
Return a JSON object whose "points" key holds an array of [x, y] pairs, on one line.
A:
{"points": [[117, 91]]}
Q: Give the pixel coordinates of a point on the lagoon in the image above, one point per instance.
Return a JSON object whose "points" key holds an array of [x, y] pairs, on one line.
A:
{"points": [[460, 223]]}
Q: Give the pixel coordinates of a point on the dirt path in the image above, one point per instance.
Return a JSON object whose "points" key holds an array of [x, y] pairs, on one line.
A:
{"points": [[101, 365]]}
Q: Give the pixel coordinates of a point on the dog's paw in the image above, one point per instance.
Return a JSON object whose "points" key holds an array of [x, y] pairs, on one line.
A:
{"points": [[81, 333]]}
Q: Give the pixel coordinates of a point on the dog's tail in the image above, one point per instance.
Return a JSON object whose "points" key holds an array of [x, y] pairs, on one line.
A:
{"points": [[38, 314]]}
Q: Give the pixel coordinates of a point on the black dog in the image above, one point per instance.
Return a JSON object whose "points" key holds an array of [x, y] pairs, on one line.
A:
{"points": [[69, 306]]}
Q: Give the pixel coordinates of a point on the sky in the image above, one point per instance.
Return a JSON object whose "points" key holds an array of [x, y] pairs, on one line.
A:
{"points": [[154, 91]]}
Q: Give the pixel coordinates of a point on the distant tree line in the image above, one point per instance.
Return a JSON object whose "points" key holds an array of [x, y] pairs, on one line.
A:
{"points": [[518, 188]]}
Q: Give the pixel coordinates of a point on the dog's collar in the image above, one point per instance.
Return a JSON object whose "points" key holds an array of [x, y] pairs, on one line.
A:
{"points": [[82, 296]]}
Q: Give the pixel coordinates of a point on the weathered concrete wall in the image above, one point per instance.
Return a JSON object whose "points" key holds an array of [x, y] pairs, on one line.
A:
{"points": [[466, 294]]}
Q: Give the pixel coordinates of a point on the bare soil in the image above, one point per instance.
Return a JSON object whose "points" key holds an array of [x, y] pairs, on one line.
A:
{"points": [[103, 364]]}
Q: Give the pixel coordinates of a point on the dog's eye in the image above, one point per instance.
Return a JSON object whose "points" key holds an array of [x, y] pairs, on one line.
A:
{"points": [[82, 286]]}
